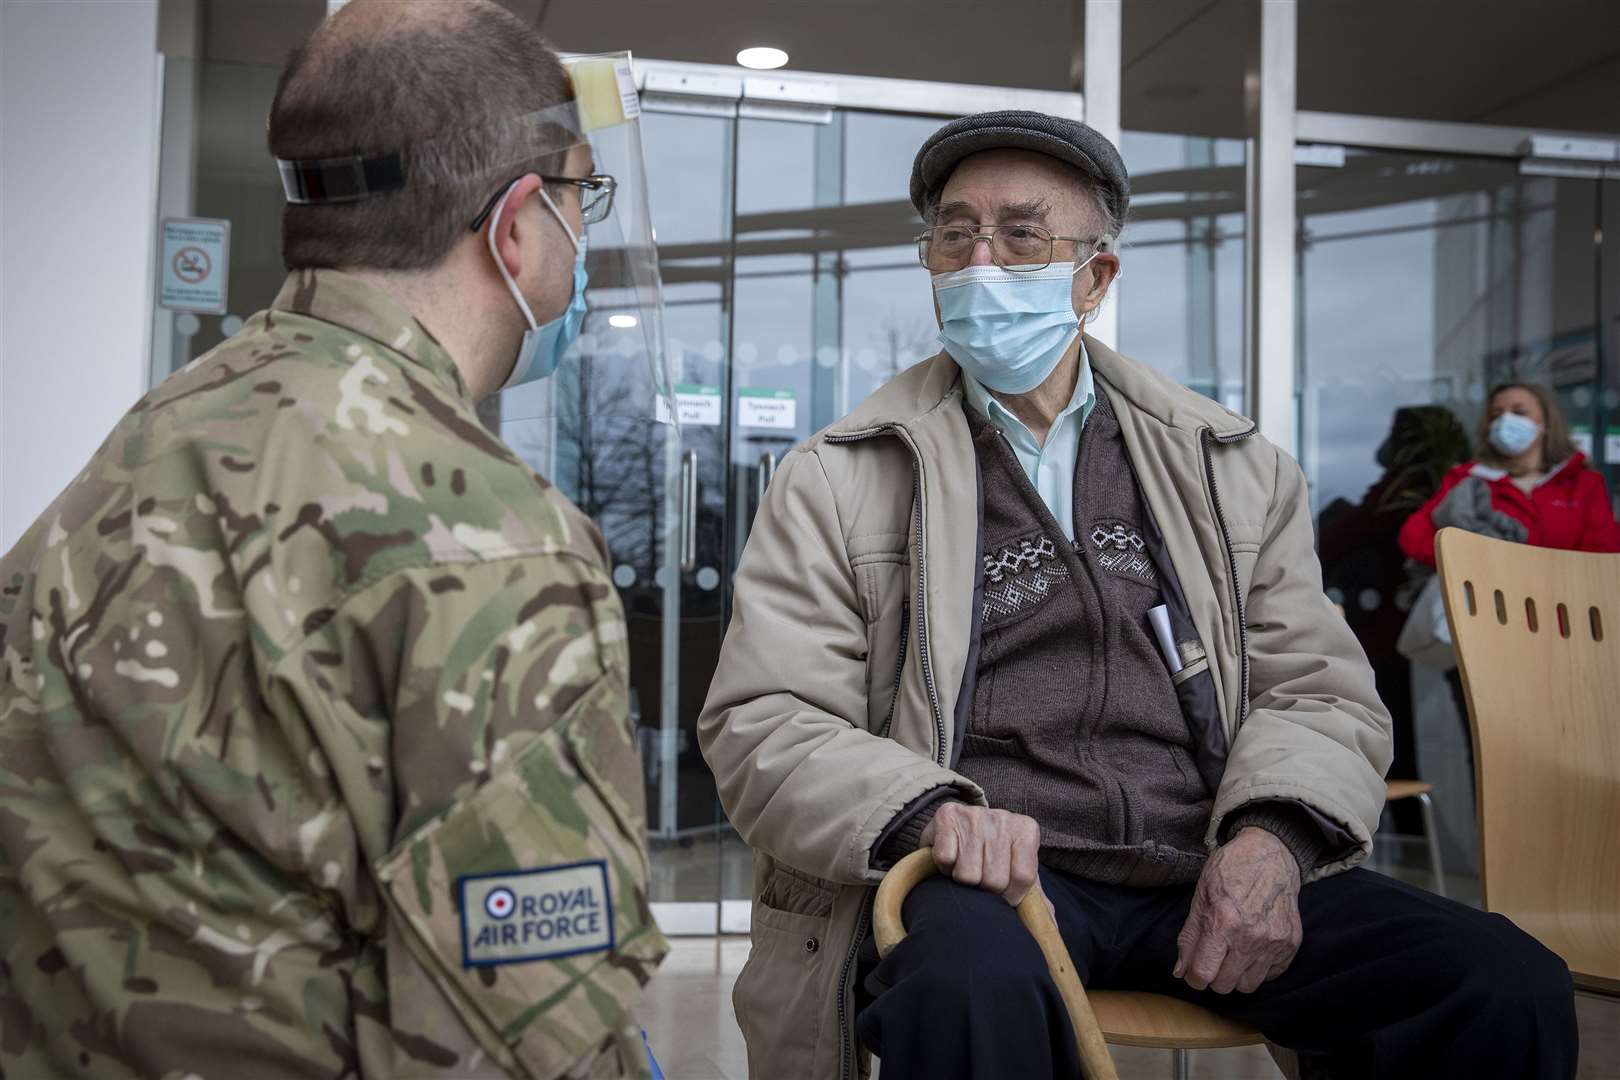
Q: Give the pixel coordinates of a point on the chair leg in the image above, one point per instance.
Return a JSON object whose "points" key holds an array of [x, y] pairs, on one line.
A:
{"points": [[1433, 835], [1180, 1065]]}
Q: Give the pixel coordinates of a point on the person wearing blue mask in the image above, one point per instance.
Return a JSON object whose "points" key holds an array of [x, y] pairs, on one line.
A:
{"points": [[1528, 483], [1060, 620], [542, 346]]}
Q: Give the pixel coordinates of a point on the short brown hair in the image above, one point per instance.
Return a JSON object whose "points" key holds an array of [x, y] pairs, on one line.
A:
{"points": [[1558, 447], [391, 80]]}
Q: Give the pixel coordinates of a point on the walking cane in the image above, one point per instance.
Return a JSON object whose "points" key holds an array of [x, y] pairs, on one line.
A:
{"points": [[890, 930]]}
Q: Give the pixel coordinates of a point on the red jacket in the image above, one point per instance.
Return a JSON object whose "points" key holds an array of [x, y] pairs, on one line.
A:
{"points": [[1569, 509]]}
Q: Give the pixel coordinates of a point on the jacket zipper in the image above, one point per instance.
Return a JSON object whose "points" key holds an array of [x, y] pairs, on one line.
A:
{"points": [[846, 988], [1238, 606], [899, 667], [920, 606]]}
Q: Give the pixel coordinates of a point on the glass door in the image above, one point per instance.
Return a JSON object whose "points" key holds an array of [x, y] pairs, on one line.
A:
{"points": [[830, 304], [690, 163]]}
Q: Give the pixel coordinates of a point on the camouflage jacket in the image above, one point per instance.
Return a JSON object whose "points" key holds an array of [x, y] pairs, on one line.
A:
{"points": [[314, 744]]}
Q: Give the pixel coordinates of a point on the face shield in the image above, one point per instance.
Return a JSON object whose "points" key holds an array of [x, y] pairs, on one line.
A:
{"points": [[610, 405]]}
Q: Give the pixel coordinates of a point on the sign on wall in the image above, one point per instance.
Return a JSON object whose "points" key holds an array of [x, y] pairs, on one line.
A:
{"points": [[196, 264]]}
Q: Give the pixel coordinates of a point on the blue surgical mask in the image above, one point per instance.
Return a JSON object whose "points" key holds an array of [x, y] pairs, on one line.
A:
{"points": [[543, 347], [1513, 434], [1008, 330]]}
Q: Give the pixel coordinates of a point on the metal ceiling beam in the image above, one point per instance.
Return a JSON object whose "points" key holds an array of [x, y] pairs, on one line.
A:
{"points": [[678, 79]]}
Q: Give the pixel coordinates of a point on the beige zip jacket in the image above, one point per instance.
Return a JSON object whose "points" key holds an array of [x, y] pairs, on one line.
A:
{"points": [[819, 729]]}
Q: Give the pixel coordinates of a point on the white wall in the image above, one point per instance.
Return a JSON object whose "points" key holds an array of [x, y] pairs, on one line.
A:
{"points": [[78, 145]]}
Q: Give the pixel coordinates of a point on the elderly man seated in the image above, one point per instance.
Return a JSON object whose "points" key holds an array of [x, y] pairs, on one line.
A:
{"points": [[1044, 610]]}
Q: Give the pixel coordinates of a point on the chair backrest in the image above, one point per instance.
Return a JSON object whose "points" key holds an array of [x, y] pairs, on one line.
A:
{"points": [[1538, 643]]}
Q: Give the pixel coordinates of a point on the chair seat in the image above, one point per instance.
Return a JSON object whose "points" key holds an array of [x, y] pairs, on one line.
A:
{"points": [[1130, 1018], [1405, 789]]}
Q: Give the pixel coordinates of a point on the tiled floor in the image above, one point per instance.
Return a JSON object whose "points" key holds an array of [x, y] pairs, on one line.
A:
{"points": [[694, 1033]]}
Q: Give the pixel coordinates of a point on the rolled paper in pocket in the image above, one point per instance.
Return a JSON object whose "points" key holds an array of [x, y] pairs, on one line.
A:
{"points": [[1159, 619]]}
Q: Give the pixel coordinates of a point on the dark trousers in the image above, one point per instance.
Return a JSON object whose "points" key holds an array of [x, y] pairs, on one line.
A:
{"points": [[1389, 981]]}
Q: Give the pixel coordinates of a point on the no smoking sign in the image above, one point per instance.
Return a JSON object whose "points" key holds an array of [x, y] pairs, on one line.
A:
{"points": [[192, 265], [195, 271]]}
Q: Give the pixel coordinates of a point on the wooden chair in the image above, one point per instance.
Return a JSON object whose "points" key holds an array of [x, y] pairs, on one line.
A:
{"points": [[1107, 1016], [1538, 643]]}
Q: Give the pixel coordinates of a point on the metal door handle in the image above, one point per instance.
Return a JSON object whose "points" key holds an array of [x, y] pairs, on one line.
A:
{"points": [[762, 479], [689, 511]]}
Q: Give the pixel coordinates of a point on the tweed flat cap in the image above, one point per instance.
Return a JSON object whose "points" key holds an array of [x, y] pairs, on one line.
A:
{"points": [[1067, 140]]}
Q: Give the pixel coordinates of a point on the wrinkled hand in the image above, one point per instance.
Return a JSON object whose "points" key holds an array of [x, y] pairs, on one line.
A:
{"points": [[1244, 925], [994, 850]]}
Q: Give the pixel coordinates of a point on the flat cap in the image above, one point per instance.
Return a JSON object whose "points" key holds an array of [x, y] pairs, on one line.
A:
{"points": [[1055, 136]]}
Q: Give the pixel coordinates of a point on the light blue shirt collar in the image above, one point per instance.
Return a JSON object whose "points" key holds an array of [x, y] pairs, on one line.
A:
{"points": [[1050, 465]]}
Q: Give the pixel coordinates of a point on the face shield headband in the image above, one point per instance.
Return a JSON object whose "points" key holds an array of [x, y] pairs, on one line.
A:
{"points": [[520, 140]]}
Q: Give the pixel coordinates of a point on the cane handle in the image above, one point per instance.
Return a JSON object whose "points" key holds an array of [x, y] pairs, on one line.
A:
{"points": [[887, 925]]}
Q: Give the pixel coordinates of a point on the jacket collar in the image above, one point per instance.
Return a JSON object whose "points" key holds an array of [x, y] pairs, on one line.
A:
{"points": [[937, 381], [348, 302], [1491, 473]]}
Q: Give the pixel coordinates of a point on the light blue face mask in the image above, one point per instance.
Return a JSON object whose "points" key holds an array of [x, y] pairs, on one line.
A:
{"points": [[543, 347], [1513, 434], [1008, 330]]}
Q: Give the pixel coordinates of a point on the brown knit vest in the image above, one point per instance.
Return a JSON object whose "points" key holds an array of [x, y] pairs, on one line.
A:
{"points": [[1074, 719]]}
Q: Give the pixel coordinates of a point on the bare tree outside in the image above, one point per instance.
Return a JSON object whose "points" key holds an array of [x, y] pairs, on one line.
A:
{"points": [[901, 343]]}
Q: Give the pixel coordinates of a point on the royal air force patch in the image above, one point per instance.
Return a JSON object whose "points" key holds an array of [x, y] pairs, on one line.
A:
{"points": [[539, 914]]}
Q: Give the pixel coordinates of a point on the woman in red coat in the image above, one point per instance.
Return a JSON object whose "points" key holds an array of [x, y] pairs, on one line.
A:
{"points": [[1528, 484]]}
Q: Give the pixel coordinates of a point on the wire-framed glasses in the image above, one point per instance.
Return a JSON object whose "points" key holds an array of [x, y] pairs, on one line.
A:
{"points": [[1019, 248], [595, 197]]}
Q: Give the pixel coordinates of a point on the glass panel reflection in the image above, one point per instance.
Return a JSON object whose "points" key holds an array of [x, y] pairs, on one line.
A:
{"points": [[1424, 280], [1181, 287]]}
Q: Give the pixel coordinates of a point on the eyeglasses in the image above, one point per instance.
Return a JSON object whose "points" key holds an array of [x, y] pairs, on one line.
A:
{"points": [[595, 197], [1019, 248]]}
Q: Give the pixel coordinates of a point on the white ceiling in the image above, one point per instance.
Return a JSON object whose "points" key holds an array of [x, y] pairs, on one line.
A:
{"points": [[1552, 64]]}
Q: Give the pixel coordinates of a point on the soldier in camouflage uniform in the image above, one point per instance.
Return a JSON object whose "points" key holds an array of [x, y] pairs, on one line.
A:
{"points": [[315, 758]]}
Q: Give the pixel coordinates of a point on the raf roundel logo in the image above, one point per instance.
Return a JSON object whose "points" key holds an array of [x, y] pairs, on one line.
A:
{"points": [[500, 903]]}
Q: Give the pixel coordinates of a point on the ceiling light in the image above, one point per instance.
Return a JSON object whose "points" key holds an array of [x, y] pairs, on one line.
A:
{"points": [[762, 58], [622, 322]]}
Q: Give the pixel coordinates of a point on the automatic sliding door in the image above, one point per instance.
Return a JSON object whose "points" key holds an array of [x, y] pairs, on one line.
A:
{"points": [[830, 304]]}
